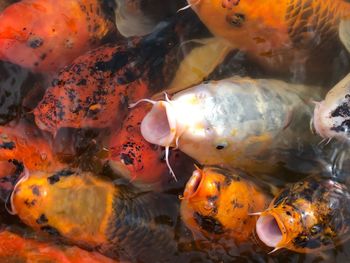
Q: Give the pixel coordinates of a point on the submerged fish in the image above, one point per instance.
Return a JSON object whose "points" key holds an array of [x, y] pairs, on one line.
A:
{"points": [[307, 216], [140, 17], [332, 115], [116, 219], [217, 203], [14, 248], [25, 144], [132, 156], [95, 89], [281, 36], [45, 35], [240, 122]]}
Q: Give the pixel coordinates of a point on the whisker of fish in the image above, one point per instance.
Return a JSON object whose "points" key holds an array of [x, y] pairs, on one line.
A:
{"points": [[274, 250], [187, 6], [255, 214]]}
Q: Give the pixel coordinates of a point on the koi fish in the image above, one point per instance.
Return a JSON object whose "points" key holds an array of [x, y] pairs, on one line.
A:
{"points": [[284, 36], [310, 215], [218, 202], [14, 248], [45, 35], [116, 219], [332, 115], [240, 122], [25, 144], [139, 18], [15, 84], [95, 89], [132, 156]]}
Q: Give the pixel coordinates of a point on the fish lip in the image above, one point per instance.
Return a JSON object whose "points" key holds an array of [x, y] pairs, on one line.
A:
{"points": [[159, 125], [270, 230], [319, 125], [193, 185]]}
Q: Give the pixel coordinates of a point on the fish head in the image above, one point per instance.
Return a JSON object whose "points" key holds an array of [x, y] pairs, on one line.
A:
{"points": [[217, 203], [306, 217], [332, 118], [159, 126]]}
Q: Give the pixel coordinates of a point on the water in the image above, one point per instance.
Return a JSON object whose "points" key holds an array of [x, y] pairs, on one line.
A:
{"points": [[21, 90]]}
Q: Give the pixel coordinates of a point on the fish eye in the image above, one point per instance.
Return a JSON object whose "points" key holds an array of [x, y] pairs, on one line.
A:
{"points": [[236, 19], [221, 146]]}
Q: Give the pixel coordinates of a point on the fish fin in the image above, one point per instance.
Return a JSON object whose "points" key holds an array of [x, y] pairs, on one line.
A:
{"points": [[167, 149], [198, 63], [344, 32]]}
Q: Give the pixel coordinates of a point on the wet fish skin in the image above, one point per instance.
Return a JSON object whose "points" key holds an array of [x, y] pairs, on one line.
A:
{"points": [[14, 248], [27, 39], [240, 122], [118, 220], [217, 204], [286, 36], [312, 215]]}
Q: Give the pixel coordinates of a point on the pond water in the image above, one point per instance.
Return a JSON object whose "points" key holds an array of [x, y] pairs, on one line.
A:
{"points": [[82, 142]]}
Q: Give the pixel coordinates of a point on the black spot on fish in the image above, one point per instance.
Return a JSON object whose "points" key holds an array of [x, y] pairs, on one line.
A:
{"points": [[342, 110], [8, 145], [126, 159], [35, 190], [281, 197], [29, 204], [35, 42], [42, 219], [236, 19], [119, 60], [50, 230], [56, 177], [236, 204], [343, 127], [82, 82], [305, 242], [209, 224]]}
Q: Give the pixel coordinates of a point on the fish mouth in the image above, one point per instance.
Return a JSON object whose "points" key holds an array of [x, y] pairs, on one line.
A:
{"points": [[159, 125], [269, 231], [193, 184]]}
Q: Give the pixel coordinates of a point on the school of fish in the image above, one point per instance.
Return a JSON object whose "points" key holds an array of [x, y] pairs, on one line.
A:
{"points": [[174, 131]]}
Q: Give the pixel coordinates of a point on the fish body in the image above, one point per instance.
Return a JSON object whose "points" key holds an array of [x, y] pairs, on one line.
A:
{"points": [[132, 156], [94, 91], [238, 121], [45, 35], [332, 115], [25, 144], [218, 202], [140, 17], [14, 248], [308, 216], [86, 210], [280, 36]]}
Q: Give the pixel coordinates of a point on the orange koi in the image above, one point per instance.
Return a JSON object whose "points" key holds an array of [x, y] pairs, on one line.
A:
{"points": [[132, 156], [218, 202], [14, 248], [308, 216], [282, 36], [116, 219], [45, 35]]}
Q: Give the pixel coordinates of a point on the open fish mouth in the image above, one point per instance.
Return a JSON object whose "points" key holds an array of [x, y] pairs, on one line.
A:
{"points": [[268, 230], [193, 184], [159, 125]]}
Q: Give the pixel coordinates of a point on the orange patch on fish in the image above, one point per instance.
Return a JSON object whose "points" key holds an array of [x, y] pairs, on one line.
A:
{"points": [[45, 35]]}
